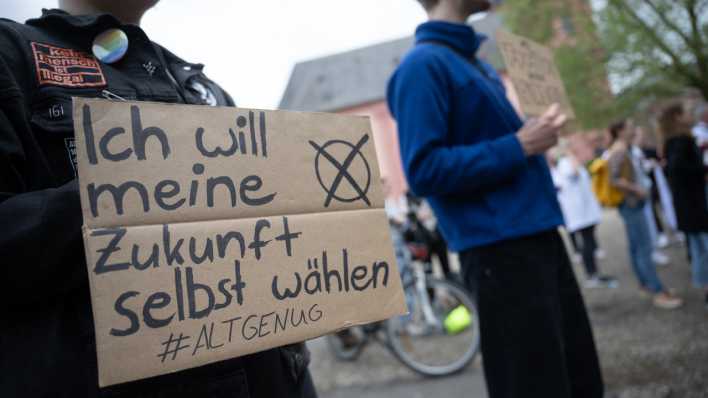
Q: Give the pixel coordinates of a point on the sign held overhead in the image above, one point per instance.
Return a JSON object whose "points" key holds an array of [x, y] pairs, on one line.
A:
{"points": [[534, 74]]}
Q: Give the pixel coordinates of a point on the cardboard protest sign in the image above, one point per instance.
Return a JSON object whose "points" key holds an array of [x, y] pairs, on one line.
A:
{"points": [[212, 233], [534, 74]]}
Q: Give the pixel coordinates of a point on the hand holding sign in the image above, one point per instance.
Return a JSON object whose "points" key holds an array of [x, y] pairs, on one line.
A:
{"points": [[540, 134]]}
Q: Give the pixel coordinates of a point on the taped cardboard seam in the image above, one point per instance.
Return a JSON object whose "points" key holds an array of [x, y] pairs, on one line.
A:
{"points": [[89, 228]]}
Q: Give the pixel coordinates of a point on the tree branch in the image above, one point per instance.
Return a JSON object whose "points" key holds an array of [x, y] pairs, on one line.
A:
{"points": [[666, 21], [691, 7], [651, 34]]}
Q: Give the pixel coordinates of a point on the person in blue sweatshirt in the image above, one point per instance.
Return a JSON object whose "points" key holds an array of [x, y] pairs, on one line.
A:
{"points": [[481, 167]]}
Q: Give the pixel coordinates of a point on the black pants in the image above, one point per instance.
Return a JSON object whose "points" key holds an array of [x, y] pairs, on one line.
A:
{"points": [[536, 335], [585, 243], [656, 199]]}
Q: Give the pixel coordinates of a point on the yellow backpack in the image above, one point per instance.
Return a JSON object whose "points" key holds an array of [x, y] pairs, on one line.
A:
{"points": [[606, 193]]}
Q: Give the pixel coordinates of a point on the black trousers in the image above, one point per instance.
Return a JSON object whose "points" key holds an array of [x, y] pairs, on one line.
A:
{"points": [[585, 243], [535, 333]]}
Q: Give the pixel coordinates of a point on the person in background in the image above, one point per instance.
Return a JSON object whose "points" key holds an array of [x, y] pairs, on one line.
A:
{"points": [[582, 213], [626, 177], [481, 168], [585, 148], [434, 238], [687, 178], [47, 341], [397, 211], [598, 141], [643, 169], [652, 165]]}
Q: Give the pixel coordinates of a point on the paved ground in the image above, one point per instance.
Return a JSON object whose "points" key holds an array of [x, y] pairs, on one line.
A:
{"points": [[645, 352]]}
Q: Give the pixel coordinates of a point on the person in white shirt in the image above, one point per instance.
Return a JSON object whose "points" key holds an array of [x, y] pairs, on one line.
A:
{"points": [[581, 213]]}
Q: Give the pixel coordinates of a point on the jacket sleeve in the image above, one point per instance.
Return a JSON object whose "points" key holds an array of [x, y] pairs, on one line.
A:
{"points": [[419, 99], [40, 239]]}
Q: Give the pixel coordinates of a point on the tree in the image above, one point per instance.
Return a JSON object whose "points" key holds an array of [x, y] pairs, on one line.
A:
{"points": [[568, 28], [658, 47], [650, 49]]}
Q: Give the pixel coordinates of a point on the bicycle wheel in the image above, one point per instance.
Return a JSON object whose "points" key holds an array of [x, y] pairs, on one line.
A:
{"points": [[440, 336], [347, 350]]}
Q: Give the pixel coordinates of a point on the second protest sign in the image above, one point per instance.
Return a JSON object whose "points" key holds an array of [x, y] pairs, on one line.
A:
{"points": [[534, 75]]}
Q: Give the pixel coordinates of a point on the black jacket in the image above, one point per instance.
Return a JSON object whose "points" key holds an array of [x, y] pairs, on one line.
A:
{"points": [[687, 178], [47, 345]]}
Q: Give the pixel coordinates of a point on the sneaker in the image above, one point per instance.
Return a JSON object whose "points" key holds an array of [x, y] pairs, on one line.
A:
{"points": [[601, 281], [662, 241], [660, 258], [600, 254], [667, 301]]}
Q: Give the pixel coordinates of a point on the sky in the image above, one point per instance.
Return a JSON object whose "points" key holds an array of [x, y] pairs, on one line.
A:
{"points": [[250, 47]]}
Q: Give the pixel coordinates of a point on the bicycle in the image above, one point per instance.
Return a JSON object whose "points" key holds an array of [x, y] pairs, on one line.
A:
{"points": [[439, 337]]}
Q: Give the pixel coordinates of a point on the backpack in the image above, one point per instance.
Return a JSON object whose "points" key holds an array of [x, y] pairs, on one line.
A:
{"points": [[606, 193]]}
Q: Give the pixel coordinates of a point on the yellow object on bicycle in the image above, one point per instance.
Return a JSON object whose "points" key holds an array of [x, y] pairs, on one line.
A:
{"points": [[457, 320]]}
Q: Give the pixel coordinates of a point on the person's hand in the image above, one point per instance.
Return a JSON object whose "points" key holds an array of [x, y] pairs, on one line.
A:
{"points": [[540, 134]]}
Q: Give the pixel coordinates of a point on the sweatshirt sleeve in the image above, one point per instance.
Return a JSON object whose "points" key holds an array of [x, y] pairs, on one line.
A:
{"points": [[419, 97], [40, 238]]}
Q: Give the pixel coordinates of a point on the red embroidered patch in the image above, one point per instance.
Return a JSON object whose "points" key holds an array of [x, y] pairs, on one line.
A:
{"points": [[66, 67]]}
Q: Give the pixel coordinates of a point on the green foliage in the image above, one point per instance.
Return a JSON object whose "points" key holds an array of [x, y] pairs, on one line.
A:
{"points": [[530, 18], [658, 47], [580, 62], [586, 84]]}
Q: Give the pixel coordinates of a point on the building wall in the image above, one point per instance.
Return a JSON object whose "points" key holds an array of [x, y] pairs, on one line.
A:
{"points": [[386, 138]]}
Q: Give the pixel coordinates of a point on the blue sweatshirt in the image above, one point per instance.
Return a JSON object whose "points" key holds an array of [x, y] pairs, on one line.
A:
{"points": [[457, 133]]}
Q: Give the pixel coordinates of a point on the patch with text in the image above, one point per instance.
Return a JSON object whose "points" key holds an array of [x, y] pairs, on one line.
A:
{"points": [[66, 67]]}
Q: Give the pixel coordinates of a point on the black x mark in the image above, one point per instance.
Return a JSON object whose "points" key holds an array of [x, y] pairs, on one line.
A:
{"points": [[343, 170]]}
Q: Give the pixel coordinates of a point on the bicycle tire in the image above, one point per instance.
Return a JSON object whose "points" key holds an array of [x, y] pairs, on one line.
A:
{"points": [[396, 345]]}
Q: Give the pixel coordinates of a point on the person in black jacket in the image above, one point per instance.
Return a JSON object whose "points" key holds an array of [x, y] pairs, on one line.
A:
{"points": [[687, 177], [47, 343]]}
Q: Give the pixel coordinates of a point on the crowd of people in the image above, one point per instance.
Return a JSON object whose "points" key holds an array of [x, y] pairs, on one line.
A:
{"points": [[482, 169], [656, 192], [499, 205]]}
